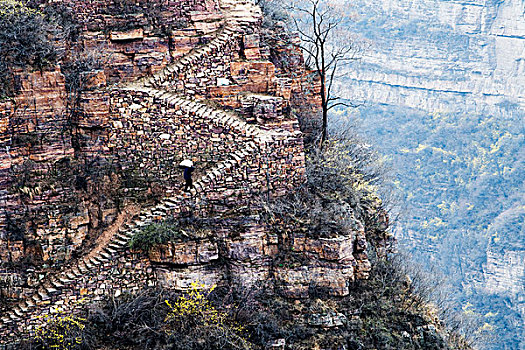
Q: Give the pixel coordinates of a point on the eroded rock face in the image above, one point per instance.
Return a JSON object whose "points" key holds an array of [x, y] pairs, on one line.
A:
{"points": [[185, 253], [144, 130], [253, 254], [330, 264], [471, 61]]}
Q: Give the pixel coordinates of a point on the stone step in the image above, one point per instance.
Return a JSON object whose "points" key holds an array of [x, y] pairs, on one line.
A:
{"points": [[70, 276], [120, 241], [94, 261], [142, 223], [126, 235], [43, 295], [82, 269], [110, 250], [65, 280], [99, 259], [14, 317], [107, 253], [17, 311], [75, 273], [57, 284], [114, 246], [159, 212], [51, 290], [122, 236]]}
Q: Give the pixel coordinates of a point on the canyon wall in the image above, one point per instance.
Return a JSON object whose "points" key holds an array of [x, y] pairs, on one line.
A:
{"points": [[441, 56]]}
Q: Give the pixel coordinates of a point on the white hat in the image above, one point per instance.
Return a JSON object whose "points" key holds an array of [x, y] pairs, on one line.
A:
{"points": [[186, 163]]}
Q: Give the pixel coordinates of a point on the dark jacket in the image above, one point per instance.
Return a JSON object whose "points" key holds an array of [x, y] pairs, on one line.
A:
{"points": [[187, 173]]}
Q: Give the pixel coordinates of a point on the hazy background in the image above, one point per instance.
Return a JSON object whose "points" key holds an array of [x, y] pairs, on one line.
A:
{"points": [[443, 93]]}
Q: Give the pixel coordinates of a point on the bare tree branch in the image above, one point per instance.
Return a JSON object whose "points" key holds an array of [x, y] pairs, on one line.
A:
{"points": [[319, 29]]}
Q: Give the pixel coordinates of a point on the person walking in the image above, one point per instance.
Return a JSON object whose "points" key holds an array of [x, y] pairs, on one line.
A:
{"points": [[188, 167]]}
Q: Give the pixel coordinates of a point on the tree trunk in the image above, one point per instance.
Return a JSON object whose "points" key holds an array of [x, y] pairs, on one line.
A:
{"points": [[324, 106]]}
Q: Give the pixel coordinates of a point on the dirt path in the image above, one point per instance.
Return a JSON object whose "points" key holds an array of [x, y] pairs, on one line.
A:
{"points": [[126, 215]]}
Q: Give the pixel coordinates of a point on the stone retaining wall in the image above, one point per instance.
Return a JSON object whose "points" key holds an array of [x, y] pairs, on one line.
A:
{"points": [[124, 273], [154, 131]]}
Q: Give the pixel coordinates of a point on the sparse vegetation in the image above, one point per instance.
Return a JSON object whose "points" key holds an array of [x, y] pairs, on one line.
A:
{"points": [[62, 331], [193, 322], [161, 319], [459, 177], [395, 311], [384, 312], [24, 41], [341, 186]]}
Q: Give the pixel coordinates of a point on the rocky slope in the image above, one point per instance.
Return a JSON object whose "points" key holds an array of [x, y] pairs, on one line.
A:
{"points": [[57, 252]]}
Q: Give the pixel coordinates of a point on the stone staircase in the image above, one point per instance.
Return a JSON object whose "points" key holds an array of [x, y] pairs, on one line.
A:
{"points": [[239, 15], [56, 284]]}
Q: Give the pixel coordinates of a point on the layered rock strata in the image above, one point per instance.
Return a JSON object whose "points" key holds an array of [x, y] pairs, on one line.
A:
{"points": [[150, 125]]}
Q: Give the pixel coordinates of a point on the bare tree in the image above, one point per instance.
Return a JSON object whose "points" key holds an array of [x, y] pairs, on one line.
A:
{"points": [[327, 46]]}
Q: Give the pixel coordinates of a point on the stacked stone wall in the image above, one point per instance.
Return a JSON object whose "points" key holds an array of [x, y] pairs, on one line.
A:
{"points": [[155, 133], [34, 134], [125, 273], [39, 131], [96, 15]]}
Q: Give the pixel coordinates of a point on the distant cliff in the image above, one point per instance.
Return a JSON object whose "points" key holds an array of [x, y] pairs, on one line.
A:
{"points": [[443, 86]]}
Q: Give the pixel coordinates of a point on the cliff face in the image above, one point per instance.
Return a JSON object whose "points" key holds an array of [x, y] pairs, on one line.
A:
{"points": [[442, 56], [461, 62], [80, 180], [60, 117]]}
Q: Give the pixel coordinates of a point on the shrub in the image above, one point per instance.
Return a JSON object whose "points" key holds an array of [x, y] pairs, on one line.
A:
{"points": [[164, 231], [152, 234], [342, 185], [395, 310], [24, 41], [78, 70], [274, 12], [62, 331], [131, 320], [163, 319], [194, 323]]}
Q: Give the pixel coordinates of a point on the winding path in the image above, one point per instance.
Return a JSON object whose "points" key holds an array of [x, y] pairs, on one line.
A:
{"points": [[239, 15]]}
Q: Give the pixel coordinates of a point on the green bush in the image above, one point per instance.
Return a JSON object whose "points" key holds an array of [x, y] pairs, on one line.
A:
{"points": [[152, 234], [164, 231]]}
